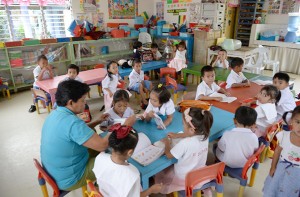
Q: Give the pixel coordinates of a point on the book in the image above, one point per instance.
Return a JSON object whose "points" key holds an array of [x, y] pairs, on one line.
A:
{"points": [[159, 121], [226, 99], [262, 82], [144, 152]]}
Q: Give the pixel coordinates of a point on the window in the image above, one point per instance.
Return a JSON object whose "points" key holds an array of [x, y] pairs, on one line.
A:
{"points": [[33, 21]]}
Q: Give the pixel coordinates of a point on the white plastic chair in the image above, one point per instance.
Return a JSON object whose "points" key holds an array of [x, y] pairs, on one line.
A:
{"points": [[260, 60]]}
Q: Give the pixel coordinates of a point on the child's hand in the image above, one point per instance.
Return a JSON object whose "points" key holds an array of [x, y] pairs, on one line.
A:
{"points": [[103, 117], [151, 114], [166, 141], [130, 121], [272, 171], [172, 135], [227, 94], [156, 188], [159, 127], [218, 98], [110, 94]]}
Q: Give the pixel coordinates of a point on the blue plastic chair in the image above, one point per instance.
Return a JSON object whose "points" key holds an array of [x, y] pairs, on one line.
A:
{"points": [[40, 95], [5, 89]]}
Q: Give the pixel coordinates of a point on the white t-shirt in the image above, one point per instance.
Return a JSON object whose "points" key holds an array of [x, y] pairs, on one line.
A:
{"points": [[219, 64], [158, 54], [37, 70], [76, 78], [135, 78], [128, 112], [286, 102], [204, 89], [290, 152], [167, 108], [191, 153], [266, 114], [180, 55], [116, 180], [110, 84], [234, 77], [236, 146]]}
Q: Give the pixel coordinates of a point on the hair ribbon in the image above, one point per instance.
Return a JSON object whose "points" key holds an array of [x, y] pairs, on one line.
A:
{"points": [[121, 130], [188, 118]]}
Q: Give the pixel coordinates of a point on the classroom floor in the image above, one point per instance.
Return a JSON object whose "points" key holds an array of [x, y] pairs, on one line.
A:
{"points": [[20, 143]]}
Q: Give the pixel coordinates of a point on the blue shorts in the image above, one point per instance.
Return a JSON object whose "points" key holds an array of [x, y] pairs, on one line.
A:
{"points": [[136, 87]]}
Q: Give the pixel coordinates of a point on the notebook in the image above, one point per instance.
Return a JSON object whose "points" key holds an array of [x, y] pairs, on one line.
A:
{"points": [[226, 99]]}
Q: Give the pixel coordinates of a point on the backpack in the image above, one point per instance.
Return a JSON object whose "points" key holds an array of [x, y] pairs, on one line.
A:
{"points": [[146, 56]]}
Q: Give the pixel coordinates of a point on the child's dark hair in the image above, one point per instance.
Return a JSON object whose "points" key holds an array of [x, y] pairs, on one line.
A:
{"points": [[236, 62], [120, 95], [181, 44], [282, 76], [202, 120], [75, 67], [124, 144], [137, 44], [162, 93], [107, 67], [70, 90], [245, 116], [136, 61], [42, 57], [206, 69], [272, 91], [222, 50], [294, 113], [154, 45]]}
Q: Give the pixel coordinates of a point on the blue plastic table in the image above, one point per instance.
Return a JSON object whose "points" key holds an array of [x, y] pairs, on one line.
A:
{"points": [[147, 66], [223, 121]]}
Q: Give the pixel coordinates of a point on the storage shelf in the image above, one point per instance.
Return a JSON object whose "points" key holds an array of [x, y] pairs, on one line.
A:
{"points": [[243, 33], [1, 69], [38, 45], [111, 54], [246, 18], [103, 40], [34, 65]]}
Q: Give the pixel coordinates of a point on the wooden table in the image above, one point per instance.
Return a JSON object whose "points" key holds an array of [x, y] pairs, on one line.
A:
{"points": [[89, 77]]}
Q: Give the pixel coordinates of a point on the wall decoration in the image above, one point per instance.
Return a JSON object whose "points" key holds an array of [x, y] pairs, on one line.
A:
{"points": [[122, 9], [176, 11], [282, 7], [288, 6], [178, 1], [160, 10], [274, 7], [195, 12]]}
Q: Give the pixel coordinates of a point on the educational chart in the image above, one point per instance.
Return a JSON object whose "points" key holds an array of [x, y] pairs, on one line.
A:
{"points": [[195, 12], [160, 10], [281, 7], [122, 9]]}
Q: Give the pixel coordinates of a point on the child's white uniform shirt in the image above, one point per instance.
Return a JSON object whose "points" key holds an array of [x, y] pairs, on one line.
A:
{"points": [[76, 79], [219, 63], [135, 78], [128, 112], [266, 114], [180, 55], [236, 146], [191, 153], [116, 180], [167, 108], [110, 84], [158, 54], [204, 89], [234, 77], [289, 152], [37, 71], [286, 102]]}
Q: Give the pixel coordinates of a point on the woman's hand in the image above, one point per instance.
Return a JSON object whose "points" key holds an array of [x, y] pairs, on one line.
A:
{"points": [[172, 135]]}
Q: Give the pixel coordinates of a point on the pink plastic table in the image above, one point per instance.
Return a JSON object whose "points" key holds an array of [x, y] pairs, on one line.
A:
{"points": [[89, 77]]}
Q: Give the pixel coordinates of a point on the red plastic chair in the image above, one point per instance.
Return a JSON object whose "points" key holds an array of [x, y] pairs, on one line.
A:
{"points": [[93, 190], [241, 173], [223, 85], [166, 71], [171, 83], [44, 177], [212, 173]]}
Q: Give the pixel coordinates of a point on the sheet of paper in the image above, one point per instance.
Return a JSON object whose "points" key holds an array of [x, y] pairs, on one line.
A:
{"points": [[119, 120], [261, 82], [159, 121], [143, 143], [225, 98]]}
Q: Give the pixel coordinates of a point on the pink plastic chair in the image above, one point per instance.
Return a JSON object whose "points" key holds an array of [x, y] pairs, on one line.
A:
{"points": [[93, 190]]}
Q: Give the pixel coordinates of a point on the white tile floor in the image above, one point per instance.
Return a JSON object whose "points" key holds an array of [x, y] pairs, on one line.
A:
{"points": [[20, 143]]}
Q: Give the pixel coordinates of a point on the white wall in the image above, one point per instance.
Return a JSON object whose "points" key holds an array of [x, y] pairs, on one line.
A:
{"points": [[143, 5], [277, 19]]}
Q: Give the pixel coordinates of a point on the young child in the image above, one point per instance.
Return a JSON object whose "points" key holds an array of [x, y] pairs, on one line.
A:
{"points": [[137, 50], [266, 108], [160, 104], [237, 145], [284, 175], [73, 71], [191, 151], [208, 85], [179, 61], [156, 54], [41, 72], [120, 107], [115, 176], [110, 83], [287, 101], [236, 78], [221, 60], [137, 82]]}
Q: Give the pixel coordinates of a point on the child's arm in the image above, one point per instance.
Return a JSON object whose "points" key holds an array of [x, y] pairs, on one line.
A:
{"points": [[177, 135], [224, 65], [243, 84], [154, 189], [208, 98], [148, 116], [276, 155], [215, 62], [223, 91], [109, 92], [168, 120], [40, 76], [168, 153]]}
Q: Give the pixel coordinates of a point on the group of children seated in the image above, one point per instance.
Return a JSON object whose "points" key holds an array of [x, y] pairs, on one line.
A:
{"points": [[234, 148]]}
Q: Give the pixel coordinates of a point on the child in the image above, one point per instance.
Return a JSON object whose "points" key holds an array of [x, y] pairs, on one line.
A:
{"points": [[266, 108], [120, 107], [137, 50], [160, 104], [287, 101], [73, 71], [156, 54], [208, 85], [236, 78], [115, 176], [179, 61], [137, 82], [221, 60], [191, 152], [41, 72], [237, 145], [284, 175], [110, 83]]}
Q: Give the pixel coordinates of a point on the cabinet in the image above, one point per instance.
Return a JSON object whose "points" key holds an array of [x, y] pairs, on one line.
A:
{"points": [[202, 41], [214, 12], [249, 10]]}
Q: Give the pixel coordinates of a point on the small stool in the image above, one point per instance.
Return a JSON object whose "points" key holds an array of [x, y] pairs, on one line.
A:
{"points": [[274, 64], [5, 90]]}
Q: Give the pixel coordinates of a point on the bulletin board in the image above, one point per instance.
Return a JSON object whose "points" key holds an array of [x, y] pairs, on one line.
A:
{"points": [[177, 12], [118, 9]]}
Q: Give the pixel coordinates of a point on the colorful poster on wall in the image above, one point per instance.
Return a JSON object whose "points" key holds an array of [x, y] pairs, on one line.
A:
{"points": [[178, 1], [122, 9], [160, 10], [195, 12]]}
